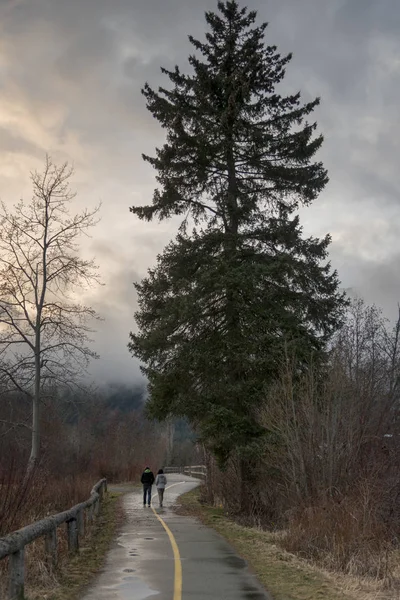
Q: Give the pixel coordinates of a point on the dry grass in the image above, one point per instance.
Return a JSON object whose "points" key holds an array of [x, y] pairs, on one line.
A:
{"points": [[285, 575], [348, 536], [22, 504], [72, 573]]}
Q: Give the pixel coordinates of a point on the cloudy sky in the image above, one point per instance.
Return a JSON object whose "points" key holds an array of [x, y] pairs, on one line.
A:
{"points": [[70, 78]]}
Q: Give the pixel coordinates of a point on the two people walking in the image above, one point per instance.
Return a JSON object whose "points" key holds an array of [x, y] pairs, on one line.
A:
{"points": [[147, 481]]}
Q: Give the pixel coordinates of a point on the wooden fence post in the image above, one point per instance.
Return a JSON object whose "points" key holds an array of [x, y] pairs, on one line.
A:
{"points": [[96, 507], [51, 547], [90, 514], [14, 547], [72, 533], [17, 575], [80, 522]]}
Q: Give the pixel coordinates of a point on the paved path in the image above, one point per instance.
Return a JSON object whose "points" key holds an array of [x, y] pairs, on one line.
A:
{"points": [[171, 557]]}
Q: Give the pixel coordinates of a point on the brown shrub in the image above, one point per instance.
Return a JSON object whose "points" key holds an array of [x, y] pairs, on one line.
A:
{"points": [[40, 498], [346, 535]]}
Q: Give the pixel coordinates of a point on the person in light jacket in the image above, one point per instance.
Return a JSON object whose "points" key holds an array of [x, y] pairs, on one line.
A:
{"points": [[161, 482]]}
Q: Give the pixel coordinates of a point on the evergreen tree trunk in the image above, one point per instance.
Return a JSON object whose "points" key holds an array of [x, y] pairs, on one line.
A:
{"points": [[170, 441], [246, 485]]}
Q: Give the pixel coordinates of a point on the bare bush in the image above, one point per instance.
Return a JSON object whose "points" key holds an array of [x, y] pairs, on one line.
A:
{"points": [[41, 498], [328, 468], [344, 535]]}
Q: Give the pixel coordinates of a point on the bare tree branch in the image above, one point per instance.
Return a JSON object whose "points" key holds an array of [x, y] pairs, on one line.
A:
{"points": [[44, 336]]}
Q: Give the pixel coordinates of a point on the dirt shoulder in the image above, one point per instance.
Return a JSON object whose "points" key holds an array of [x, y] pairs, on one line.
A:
{"points": [[284, 575]]}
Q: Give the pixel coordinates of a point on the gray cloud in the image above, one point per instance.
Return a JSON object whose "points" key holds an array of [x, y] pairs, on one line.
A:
{"points": [[70, 77], [116, 304]]}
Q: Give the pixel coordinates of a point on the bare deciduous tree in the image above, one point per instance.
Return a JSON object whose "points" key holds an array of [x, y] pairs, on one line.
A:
{"points": [[44, 329]]}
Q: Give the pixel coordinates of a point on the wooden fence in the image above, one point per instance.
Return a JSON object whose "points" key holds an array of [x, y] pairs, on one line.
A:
{"points": [[199, 471], [13, 545]]}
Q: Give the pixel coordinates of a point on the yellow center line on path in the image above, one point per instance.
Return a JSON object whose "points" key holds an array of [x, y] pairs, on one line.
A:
{"points": [[175, 549]]}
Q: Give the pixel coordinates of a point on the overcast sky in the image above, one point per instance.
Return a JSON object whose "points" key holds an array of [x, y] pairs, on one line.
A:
{"points": [[70, 77]]}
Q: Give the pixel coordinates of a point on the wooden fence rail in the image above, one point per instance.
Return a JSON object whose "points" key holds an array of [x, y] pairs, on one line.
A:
{"points": [[13, 545], [199, 471]]}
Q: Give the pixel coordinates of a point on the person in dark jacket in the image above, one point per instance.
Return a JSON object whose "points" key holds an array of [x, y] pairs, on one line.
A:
{"points": [[147, 480]]}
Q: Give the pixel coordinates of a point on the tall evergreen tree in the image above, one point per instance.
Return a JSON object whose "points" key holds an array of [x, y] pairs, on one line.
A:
{"points": [[229, 298]]}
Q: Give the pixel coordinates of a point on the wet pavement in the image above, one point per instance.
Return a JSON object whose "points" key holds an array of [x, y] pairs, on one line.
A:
{"points": [[141, 563]]}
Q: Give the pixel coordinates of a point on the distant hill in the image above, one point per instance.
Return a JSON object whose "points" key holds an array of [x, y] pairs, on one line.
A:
{"points": [[121, 397]]}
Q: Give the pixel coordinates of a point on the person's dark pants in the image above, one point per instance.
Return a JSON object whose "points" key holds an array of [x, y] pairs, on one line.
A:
{"points": [[147, 494], [160, 495]]}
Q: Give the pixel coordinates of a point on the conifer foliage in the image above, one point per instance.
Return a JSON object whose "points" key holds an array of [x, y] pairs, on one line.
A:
{"points": [[229, 297]]}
